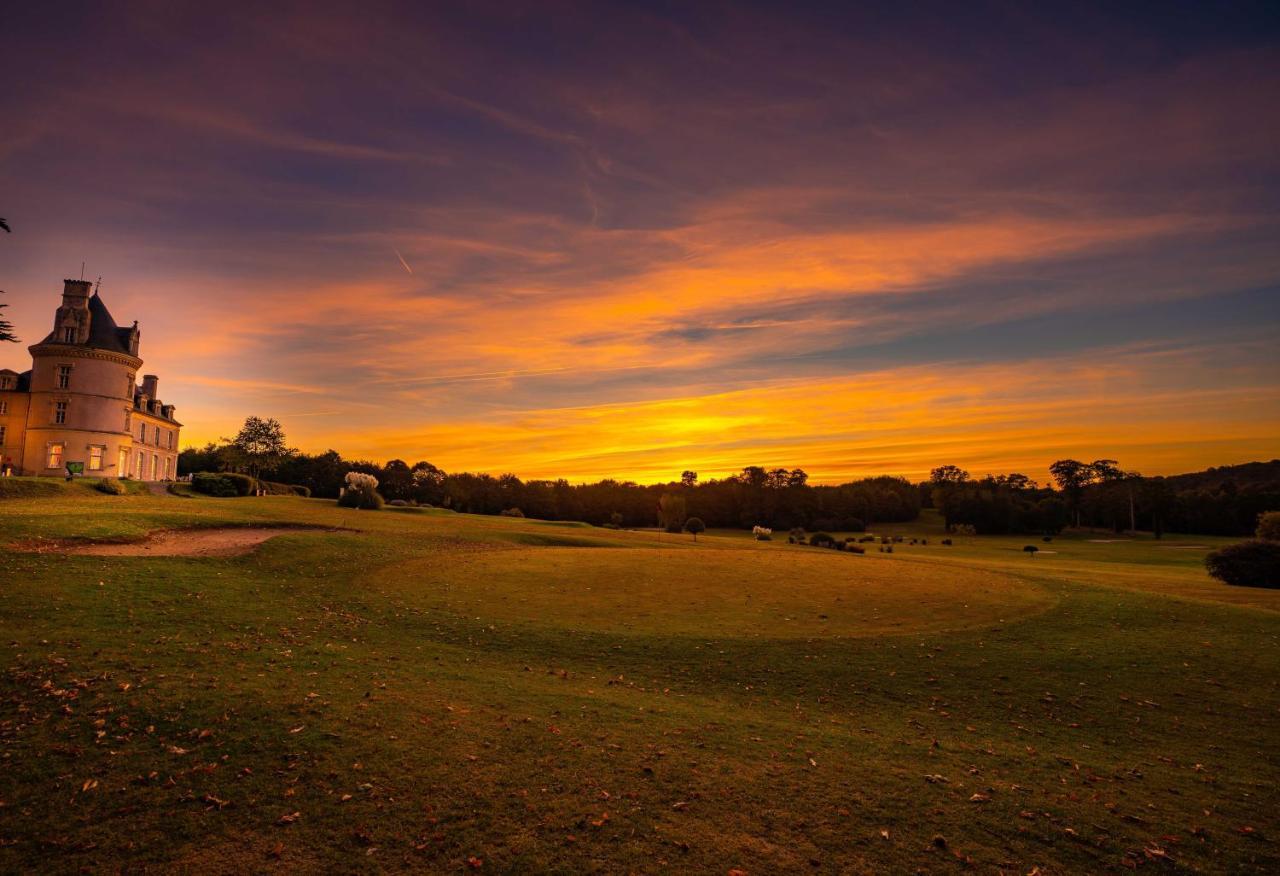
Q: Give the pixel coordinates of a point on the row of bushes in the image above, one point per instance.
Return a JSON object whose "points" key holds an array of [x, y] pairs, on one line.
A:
{"points": [[230, 483]]}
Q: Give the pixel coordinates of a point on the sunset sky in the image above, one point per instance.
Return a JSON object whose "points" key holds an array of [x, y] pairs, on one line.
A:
{"points": [[622, 240]]}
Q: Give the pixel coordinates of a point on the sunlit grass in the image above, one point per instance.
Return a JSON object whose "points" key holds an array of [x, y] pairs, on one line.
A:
{"points": [[440, 687]]}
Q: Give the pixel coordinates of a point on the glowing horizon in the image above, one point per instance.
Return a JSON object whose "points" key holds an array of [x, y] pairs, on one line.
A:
{"points": [[515, 242]]}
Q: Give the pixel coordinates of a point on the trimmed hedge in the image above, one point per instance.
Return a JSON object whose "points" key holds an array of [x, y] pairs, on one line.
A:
{"points": [[110, 486], [213, 484]]}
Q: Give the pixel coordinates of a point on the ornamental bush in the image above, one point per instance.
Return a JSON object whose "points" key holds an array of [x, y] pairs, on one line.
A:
{"points": [[361, 492], [1247, 564], [213, 484], [110, 486]]}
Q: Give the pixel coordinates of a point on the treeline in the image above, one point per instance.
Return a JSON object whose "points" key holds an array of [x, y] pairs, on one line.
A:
{"points": [[777, 498], [1099, 494]]}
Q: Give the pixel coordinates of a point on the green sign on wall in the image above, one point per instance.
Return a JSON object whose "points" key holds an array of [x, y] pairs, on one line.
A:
{"points": [[75, 468]]}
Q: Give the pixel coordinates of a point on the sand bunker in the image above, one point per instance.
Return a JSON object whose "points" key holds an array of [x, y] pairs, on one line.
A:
{"points": [[220, 542]]}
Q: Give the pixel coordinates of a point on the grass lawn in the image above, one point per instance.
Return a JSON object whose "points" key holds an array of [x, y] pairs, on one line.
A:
{"points": [[447, 692]]}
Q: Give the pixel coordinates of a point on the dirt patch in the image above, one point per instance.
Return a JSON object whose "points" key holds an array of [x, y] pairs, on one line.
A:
{"points": [[227, 541]]}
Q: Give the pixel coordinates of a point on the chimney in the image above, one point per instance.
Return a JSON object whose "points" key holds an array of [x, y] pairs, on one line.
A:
{"points": [[150, 383], [75, 293]]}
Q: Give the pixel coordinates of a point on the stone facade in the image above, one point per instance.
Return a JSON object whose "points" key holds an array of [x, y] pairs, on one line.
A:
{"points": [[81, 401]]}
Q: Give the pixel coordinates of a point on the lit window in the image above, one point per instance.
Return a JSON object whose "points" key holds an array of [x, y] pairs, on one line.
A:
{"points": [[69, 334], [96, 452], [64, 376], [4, 408], [60, 412], [55, 456]]}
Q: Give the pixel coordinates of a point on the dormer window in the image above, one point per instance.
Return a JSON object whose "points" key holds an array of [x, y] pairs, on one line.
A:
{"points": [[64, 376], [69, 334]]}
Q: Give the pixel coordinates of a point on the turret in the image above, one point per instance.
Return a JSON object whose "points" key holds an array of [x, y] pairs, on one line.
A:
{"points": [[71, 322], [150, 384]]}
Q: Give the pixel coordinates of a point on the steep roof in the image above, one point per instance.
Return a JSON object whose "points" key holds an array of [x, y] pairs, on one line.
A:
{"points": [[104, 334], [23, 382]]}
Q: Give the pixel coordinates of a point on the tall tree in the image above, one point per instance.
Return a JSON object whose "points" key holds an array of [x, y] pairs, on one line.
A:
{"points": [[1072, 476], [672, 512], [260, 445]]}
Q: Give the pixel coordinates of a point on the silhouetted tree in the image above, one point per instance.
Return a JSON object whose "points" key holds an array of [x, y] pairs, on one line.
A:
{"points": [[6, 327]]}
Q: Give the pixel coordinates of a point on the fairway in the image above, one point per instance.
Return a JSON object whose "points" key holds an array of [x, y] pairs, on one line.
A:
{"points": [[714, 590], [421, 690]]}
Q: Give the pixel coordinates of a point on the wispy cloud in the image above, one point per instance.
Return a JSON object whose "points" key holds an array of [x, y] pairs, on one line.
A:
{"points": [[833, 240]]}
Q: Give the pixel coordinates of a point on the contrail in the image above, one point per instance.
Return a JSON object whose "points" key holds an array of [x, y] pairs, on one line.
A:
{"points": [[402, 261]]}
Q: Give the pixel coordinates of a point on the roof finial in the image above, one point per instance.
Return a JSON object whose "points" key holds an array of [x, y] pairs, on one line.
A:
{"points": [[98, 285]]}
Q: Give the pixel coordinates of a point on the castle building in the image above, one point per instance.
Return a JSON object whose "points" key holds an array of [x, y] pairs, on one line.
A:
{"points": [[81, 403]]}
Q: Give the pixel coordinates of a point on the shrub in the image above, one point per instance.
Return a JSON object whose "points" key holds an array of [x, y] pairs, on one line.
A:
{"points": [[212, 484], [762, 533], [398, 503], [1247, 564], [820, 538], [511, 512], [1269, 526], [361, 491], [866, 538], [694, 525], [884, 539], [889, 549], [110, 486], [242, 483], [924, 541], [855, 549], [1030, 549], [839, 545], [791, 539], [300, 490], [965, 529], [797, 532], [947, 542], [1047, 539]]}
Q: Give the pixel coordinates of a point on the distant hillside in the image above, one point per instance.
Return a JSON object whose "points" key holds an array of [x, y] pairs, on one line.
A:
{"points": [[1249, 474]]}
